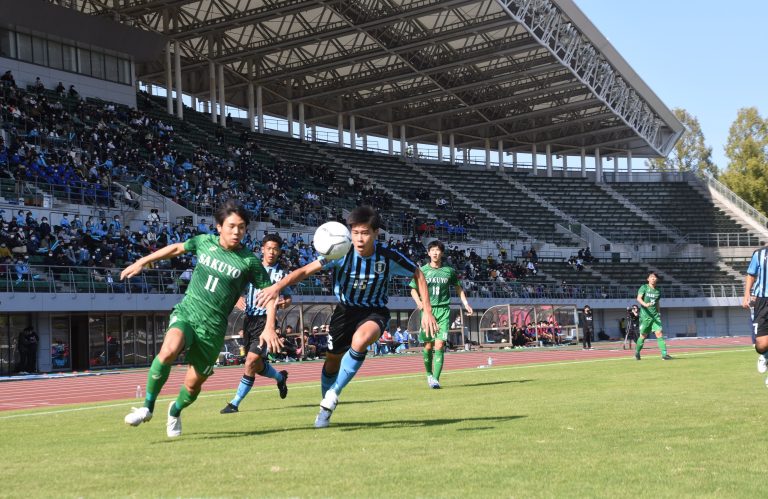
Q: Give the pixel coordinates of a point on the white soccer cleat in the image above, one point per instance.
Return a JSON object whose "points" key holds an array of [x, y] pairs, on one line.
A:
{"points": [[430, 381], [327, 405], [762, 364], [173, 425], [435, 384], [137, 416]]}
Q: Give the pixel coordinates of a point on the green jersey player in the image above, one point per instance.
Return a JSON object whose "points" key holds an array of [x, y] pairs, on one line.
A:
{"points": [[198, 323], [648, 296], [439, 282]]}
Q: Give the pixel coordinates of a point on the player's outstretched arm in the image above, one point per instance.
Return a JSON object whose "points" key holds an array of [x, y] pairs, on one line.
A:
{"points": [[463, 298], [415, 296], [428, 322], [170, 251], [298, 275], [747, 301]]}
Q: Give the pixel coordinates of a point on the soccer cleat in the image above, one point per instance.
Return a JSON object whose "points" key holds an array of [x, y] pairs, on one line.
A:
{"points": [[435, 384], [229, 409], [431, 381], [637, 355], [666, 357], [173, 425], [327, 405], [762, 364], [282, 386], [137, 416]]}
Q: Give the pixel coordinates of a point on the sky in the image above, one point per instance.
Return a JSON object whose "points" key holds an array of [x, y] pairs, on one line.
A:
{"points": [[705, 56]]}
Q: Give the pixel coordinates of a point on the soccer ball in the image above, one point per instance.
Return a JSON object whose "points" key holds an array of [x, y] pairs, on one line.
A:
{"points": [[332, 240]]}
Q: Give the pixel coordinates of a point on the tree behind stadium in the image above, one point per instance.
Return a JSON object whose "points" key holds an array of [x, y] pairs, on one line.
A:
{"points": [[690, 153], [747, 151]]}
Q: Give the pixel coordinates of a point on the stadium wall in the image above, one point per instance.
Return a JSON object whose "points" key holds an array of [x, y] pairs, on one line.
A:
{"points": [[25, 73]]}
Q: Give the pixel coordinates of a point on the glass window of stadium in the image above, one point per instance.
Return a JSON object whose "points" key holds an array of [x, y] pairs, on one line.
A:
{"points": [[60, 343], [124, 340], [10, 327]]}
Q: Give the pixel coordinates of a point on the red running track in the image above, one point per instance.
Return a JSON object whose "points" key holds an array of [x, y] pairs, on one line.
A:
{"points": [[108, 386]]}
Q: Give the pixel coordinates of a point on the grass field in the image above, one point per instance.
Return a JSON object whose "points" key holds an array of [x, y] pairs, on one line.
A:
{"points": [[607, 428]]}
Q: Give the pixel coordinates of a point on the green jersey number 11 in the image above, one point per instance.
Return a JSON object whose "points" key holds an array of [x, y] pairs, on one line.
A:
{"points": [[211, 283]]}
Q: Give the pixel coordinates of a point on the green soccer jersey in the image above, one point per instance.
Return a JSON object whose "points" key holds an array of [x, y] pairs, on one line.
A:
{"points": [[439, 282], [651, 296], [218, 282]]}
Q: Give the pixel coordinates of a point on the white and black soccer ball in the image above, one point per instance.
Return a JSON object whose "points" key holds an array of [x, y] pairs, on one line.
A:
{"points": [[332, 240]]}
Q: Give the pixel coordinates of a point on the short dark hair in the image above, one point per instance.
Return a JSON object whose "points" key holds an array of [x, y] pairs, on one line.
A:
{"points": [[364, 215], [653, 273], [275, 238], [229, 207], [436, 244]]}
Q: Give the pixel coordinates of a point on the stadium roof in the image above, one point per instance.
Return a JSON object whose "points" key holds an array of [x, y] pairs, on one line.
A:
{"points": [[522, 71]]}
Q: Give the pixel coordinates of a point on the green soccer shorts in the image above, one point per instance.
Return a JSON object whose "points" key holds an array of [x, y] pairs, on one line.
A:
{"points": [[443, 318], [202, 348], [650, 324]]}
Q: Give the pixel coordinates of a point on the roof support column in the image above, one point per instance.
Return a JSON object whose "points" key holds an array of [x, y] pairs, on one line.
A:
{"points": [[487, 154], [452, 148], [565, 166], [390, 139], [313, 132], [598, 166], [402, 141], [466, 156], [534, 162], [365, 141], [548, 154], [500, 150], [251, 105], [177, 65], [440, 146], [289, 117], [514, 161], [222, 101], [212, 83], [629, 164], [302, 123], [615, 165], [352, 139], [259, 109], [583, 163], [340, 128], [168, 79]]}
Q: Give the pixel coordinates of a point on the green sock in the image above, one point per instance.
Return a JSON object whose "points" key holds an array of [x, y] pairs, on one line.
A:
{"points": [[662, 345], [427, 354], [184, 400], [439, 354], [639, 345], [156, 378]]}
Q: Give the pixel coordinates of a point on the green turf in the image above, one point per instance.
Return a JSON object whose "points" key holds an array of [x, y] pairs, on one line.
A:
{"points": [[682, 428]]}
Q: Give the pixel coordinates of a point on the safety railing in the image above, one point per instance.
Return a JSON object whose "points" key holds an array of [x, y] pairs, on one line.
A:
{"points": [[93, 280]]}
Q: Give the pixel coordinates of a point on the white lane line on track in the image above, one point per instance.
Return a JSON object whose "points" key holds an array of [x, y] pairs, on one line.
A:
{"points": [[374, 380]]}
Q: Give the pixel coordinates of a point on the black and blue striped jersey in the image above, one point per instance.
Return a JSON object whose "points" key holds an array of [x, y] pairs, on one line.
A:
{"points": [[275, 274], [758, 268], [364, 282]]}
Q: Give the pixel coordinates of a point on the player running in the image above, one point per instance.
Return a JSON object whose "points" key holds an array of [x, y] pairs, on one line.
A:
{"points": [[198, 323], [361, 285], [253, 324], [756, 300], [439, 282], [648, 296]]}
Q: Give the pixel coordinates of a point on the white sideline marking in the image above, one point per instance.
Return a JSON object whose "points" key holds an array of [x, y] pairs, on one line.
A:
{"points": [[373, 380]]}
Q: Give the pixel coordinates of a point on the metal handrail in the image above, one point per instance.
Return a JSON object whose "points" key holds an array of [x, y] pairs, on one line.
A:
{"points": [[95, 280]]}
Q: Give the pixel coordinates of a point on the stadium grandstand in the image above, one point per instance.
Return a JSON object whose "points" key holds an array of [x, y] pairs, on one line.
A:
{"points": [[510, 129]]}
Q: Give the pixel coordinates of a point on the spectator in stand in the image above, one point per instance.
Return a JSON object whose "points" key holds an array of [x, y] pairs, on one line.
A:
{"points": [[38, 85], [72, 92], [60, 89], [7, 79], [401, 340]]}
